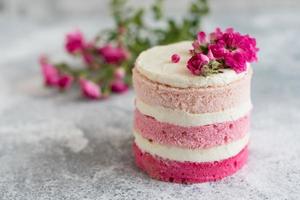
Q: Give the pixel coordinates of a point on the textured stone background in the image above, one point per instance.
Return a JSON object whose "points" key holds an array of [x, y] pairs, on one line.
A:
{"points": [[59, 146]]}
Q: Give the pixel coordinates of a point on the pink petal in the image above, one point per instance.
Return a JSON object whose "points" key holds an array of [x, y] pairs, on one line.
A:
{"points": [[50, 74], [65, 81], [118, 86], [201, 37], [90, 89], [74, 42]]}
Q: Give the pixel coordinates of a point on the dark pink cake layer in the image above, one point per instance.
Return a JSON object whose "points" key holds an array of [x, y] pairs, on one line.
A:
{"points": [[191, 137], [188, 172]]}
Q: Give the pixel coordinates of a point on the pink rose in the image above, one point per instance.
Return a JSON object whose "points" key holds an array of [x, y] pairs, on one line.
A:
{"points": [[113, 55], [118, 86], [74, 42], [65, 81], [236, 61], [196, 63], [50, 74], [90, 89]]}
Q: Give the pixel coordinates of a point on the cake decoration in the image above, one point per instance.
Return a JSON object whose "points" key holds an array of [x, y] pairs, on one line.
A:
{"points": [[221, 50], [175, 58]]}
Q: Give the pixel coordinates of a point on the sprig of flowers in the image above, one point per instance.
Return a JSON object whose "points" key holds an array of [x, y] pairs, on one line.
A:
{"points": [[108, 59], [102, 74], [221, 50]]}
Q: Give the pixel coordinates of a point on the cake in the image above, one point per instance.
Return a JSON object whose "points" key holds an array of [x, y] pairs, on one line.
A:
{"points": [[187, 128]]}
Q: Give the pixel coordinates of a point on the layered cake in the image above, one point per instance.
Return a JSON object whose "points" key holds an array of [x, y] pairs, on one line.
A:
{"points": [[190, 124]]}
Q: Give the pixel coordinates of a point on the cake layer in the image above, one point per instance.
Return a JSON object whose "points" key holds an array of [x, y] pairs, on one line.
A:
{"points": [[155, 64], [191, 137], [193, 100], [188, 172], [216, 153], [182, 118]]}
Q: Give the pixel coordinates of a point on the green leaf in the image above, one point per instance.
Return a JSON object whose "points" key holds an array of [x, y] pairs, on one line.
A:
{"points": [[157, 9], [137, 18]]}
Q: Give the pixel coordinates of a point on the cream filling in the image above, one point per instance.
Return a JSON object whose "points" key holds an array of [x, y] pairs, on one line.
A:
{"points": [[155, 64], [191, 155], [182, 118]]}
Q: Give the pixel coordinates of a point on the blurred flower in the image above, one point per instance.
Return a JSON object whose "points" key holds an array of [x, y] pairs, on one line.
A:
{"points": [[119, 73], [118, 86], [196, 63], [90, 89], [65, 81], [106, 63], [74, 42], [201, 37], [43, 59], [113, 55], [88, 58], [175, 58], [50, 74]]}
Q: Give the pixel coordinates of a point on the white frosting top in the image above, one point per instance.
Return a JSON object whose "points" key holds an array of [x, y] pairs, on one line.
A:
{"points": [[156, 64], [220, 152]]}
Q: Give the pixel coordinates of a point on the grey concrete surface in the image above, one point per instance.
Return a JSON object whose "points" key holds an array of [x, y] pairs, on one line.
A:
{"points": [[59, 146]]}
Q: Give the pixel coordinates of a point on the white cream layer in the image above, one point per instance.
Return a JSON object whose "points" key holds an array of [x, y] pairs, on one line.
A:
{"points": [[155, 64], [192, 155], [182, 118]]}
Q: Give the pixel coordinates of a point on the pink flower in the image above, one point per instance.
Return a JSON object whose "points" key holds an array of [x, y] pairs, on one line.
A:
{"points": [[218, 49], [119, 86], [248, 45], [216, 35], [201, 37], [196, 63], [65, 81], [50, 74], [236, 61], [232, 47], [175, 58], [74, 42], [210, 55], [228, 49], [235, 42], [90, 89], [119, 73], [113, 55]]}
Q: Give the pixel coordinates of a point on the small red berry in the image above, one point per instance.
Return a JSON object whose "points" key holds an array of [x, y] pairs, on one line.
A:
{"points": [[175, 58]]}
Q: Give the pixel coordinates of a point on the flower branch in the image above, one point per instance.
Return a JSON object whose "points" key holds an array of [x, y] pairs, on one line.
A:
{"points": [[107, 59]]}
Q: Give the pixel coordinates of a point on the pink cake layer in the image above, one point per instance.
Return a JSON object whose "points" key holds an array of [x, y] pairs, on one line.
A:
{"points": [[188, 172], [193, 100], [190, 137]]}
